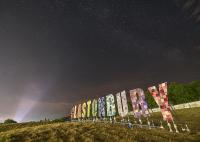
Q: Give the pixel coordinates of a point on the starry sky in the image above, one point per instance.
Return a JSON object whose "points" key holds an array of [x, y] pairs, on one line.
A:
{"points": [[57, 53]]}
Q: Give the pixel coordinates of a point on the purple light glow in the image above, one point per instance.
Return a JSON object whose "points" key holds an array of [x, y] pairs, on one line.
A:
{"points": [[32, 95]]}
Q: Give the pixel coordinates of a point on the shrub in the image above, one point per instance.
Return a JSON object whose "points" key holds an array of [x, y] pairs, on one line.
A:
{"points": [[9, 121]]}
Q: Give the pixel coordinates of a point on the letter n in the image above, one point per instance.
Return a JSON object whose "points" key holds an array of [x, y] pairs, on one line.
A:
{"points": [[110, 105]]}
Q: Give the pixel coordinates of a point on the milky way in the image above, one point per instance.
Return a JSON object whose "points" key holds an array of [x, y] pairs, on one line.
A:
{"points": [[54, 54]]}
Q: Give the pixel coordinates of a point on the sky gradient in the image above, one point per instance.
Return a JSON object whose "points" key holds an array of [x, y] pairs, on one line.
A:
{"points": [[56, 53]]}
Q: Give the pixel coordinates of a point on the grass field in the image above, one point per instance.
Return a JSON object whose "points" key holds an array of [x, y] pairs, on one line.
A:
{"points": [[90, 131]]}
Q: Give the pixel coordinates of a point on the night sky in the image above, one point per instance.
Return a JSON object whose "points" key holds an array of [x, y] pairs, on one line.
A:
{"points": [[57, 53]]}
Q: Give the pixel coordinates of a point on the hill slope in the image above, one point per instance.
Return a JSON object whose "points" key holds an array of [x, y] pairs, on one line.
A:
{"points": [[81, 132]]}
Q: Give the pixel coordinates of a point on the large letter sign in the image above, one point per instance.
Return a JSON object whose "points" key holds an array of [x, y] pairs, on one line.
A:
{"points": [[138, 103], [105, 106], [88, 108], [94, 108], [110, 105], [122, 104], [161, 99], [72, 112], [101, 103], [83, 115], [79, 111]]}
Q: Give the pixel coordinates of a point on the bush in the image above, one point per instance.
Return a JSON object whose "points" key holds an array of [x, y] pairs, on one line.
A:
{"points": [[9, 121], [63, 119]]}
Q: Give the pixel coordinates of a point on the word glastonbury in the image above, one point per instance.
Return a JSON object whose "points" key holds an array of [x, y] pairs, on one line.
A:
{"points": [[106, 106]]}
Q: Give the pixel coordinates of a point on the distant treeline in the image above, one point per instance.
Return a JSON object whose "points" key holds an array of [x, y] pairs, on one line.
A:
{"points": [[178, 93]]}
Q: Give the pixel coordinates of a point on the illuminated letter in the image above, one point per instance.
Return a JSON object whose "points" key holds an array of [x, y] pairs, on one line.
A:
{"points": [[83, 110], [138, 103], [75, 112], [79, 111], [110, 105], [88, 108], [94, 108], [162, 100], [122, 104], [101, 103], [72, 112]]}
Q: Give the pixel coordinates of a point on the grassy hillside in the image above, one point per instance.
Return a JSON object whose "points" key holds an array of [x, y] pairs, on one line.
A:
{"points": [[82, 132]]}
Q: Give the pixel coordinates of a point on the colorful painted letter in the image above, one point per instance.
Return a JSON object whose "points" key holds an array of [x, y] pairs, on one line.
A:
{"points": [[88, 108], [83, 115], [94, 108], [161, 99], [139, 104], [101, 106], [110, 105], [122, 104], [79, 111], [74, 112]]}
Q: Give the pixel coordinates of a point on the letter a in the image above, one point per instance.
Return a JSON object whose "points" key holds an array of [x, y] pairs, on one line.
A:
{"points": [[79, 111]]}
